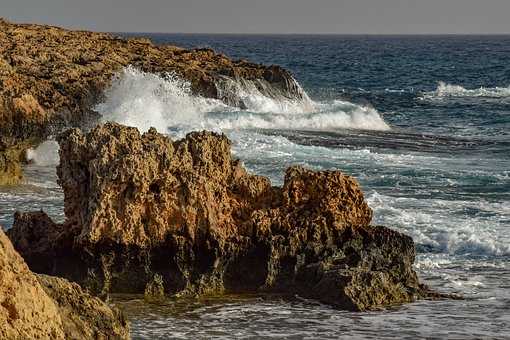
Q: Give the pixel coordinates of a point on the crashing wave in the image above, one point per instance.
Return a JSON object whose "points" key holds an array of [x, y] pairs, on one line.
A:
{"points": [[260, 96], [45, 154], [145, 100], [443, 229], [141, 99], [445, 90]]}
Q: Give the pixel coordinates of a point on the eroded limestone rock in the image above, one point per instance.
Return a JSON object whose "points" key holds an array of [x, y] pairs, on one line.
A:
{"points": [[84, 316], [140, 207], [36, 306], [26, 311]]}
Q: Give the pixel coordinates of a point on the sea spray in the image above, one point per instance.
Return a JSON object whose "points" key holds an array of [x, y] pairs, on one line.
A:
{"points": [[141, 99], [445, 90], [146, 100], [260, 96], [46, 154]]}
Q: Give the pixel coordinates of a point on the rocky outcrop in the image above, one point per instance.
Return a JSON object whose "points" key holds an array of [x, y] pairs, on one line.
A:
{"points": [[26, 311], [43, 307], [52, 77], [145, 214], [84, 316]]}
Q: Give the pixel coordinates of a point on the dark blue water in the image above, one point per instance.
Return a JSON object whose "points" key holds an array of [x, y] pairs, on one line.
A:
{"points": [[387, 72], [424, 125]]}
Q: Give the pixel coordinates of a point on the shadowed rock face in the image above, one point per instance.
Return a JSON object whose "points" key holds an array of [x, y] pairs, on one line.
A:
{"points": [[43, 307], [141, 208], [51, 78]]}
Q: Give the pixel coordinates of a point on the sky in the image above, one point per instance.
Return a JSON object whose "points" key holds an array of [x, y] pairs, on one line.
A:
{"points": [[268, 16]]}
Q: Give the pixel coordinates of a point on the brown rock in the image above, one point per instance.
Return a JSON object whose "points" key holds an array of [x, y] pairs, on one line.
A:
{"points": [[26, 311], [11, 157], [42, 307], [84, 316], [146, 214]]}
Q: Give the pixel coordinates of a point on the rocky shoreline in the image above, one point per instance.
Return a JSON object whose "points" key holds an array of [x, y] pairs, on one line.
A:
{"points": [[148, 215], [51, 78]]}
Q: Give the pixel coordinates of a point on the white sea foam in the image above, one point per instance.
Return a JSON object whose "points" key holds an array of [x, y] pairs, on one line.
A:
{"points": [[249, 93], [445, 90], [46, 154], [442, 225], [143, 100]]}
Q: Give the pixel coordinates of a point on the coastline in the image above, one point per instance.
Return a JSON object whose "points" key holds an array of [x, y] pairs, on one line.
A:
{"points": [[52, 78], [81, 224]]}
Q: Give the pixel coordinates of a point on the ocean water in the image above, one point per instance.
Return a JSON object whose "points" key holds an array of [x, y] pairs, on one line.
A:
{"points": [[422, 122]]}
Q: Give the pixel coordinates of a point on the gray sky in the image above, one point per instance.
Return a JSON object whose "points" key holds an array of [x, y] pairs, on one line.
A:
{"points": [[267, 16]]}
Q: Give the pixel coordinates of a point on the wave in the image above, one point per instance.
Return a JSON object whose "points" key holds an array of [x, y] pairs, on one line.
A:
{"points": [[442, 227], [146, 100], [260, 96], [45, 154], [445, 90]]}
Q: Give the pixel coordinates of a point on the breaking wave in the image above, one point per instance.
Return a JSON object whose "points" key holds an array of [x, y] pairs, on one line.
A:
{"points": [[141, 99], [45, 154], [445, 90], [440, 226]]}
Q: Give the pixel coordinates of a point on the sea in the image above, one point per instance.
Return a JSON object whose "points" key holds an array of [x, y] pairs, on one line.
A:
{"points": [[423, 123]]}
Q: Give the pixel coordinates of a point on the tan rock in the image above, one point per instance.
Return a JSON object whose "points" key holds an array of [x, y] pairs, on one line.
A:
{"points": [[43, 307], [84, 316], [148, 215], [26, 311]]}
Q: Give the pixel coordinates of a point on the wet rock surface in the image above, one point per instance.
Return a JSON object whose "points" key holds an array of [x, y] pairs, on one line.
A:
{"points": [[145, 214], [36, 306], [51, 78]]}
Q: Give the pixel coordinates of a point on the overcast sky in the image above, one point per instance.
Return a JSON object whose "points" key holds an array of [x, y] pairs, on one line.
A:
{"points": [[267, 16]]}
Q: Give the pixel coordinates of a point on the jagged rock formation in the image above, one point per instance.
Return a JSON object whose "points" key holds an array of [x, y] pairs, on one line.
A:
{"points": [[145, 213], [43, 307], [52, 77]]}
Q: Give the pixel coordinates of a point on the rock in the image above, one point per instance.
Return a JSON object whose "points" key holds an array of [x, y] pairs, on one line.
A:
{"points": [[52, 78], [155, 289], [43, 307], [11, 158], [144, 214], [45, 242], [84, 316], [26, 311]]}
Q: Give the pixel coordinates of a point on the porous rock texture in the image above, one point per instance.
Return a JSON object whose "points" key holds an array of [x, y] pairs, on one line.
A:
{"points": [[52, 78], [84, 316], [145, 212], [42, 307]]}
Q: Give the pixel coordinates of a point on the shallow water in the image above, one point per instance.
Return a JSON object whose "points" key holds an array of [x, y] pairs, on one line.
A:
{"points": [[255, 318], [422, 122]]}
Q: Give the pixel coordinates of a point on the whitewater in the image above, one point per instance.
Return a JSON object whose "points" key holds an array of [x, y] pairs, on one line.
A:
{"points": [[424, 128], [165, 102]]}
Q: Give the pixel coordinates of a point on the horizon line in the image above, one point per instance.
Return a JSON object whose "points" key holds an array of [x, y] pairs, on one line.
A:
{"points": [[74, 28], [311, 34]]}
